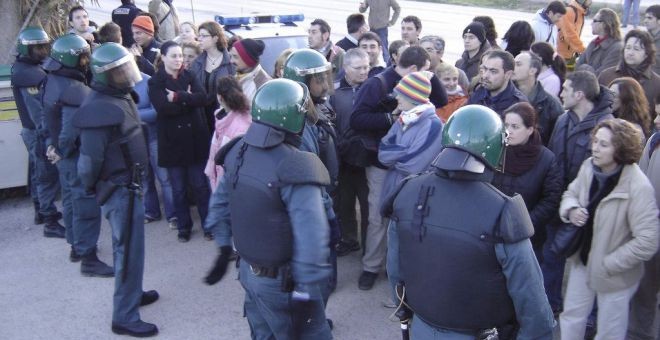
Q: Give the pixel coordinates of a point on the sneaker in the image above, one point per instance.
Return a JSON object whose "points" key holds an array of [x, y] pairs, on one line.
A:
{"points": [[173, 223], [345, 247], [367, 280], [208, 236], [183, 236], [148, 219]]}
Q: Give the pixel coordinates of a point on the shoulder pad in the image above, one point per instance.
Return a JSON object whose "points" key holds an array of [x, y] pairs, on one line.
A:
{"points": [[74, 94], [387, 208], [224, 150], [27, 75], [302, 167], [98, 114], [515, 224]]}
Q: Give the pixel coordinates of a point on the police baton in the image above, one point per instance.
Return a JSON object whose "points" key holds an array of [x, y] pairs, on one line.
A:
{"points": [[133, 188], [403, 312]]}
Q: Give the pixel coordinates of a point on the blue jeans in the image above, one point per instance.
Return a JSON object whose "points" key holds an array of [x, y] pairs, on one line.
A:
{"points": [[272, 312], [81, 212], [421, 330], [181, 177], [627, 4], [151, 201], [47, 182], [382, 33], [393, 272], [128, 293], [553, 270]]}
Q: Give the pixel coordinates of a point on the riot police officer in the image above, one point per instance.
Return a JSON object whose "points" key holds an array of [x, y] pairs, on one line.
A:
{"points": [[462, 250], [64, 90], [112, 154], [33, 46], [312, 69], [283, 249]]}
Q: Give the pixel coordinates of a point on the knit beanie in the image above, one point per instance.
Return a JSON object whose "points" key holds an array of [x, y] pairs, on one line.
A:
{"points": [[416, 87], [144, 23], [250, 50], [478, 29]]}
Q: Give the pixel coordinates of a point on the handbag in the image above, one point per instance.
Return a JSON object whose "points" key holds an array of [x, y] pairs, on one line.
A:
{"points": [[567, 241]]}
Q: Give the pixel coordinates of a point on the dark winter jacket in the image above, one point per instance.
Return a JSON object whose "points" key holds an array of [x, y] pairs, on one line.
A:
{"points": [[147, 60], [540, 188], [500, 102], [183, 136], [197, 68], [471, 65], [571, 137], [548, 109], [602, 56], [124, 16]]}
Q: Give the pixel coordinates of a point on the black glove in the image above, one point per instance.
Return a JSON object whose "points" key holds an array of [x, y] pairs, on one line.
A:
{"points": [[220, 267]]}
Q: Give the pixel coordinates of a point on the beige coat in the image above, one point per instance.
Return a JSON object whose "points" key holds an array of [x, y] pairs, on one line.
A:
{"points": [[625, 227], [169, 24]]}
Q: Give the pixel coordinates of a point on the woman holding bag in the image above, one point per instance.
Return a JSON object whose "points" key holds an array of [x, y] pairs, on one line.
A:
{"points": [[614, 202]]}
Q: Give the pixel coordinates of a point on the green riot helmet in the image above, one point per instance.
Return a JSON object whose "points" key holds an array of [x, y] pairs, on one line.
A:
{"points": [[309, 66], [114, 66], [477, 130], [31, 36], [281, 104], [69, 49]]}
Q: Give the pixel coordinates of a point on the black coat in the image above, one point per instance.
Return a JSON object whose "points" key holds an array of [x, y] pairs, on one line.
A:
{"points": [[540, 188], [548, 108], [571, 138], [183, 135]]}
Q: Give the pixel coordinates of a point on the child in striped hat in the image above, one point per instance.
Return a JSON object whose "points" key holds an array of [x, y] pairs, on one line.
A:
{"points": [[414, 140]]}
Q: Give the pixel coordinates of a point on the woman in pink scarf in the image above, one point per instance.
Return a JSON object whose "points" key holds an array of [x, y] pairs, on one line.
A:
{"points": [[233, 124]]}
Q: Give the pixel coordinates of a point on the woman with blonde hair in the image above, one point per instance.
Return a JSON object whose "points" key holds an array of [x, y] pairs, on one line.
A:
{"points": [[613, 203]]}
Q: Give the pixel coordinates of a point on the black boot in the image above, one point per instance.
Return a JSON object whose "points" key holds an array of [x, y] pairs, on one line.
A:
{"points": [[73, 256], [138, 329], [52, 228], [149, 297], [92, 266]]}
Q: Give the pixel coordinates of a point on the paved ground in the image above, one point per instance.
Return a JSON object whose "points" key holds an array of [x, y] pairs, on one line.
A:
{"points": [[43, 295]]}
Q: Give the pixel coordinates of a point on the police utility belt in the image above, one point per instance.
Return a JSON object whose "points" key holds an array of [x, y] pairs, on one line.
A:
{"points": [[272, 273]]}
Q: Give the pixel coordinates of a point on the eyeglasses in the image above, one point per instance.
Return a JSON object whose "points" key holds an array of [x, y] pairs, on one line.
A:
{"points": [[595, 21]]}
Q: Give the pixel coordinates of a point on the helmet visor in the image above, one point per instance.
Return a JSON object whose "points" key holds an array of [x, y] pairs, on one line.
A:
{"points": [[125, 75]]}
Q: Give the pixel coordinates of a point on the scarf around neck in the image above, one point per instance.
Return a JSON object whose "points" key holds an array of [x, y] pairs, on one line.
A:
{"points": [[519, 159]]}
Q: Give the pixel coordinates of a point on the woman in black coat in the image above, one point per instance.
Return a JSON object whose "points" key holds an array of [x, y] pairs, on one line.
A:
{"points": [[529, 169], [183, 135]]}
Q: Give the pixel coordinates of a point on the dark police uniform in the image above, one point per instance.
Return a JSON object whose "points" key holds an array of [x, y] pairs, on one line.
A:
{"points": [[462, 250], [26, 78], [64, 91], [112, 145], [283, 248]]}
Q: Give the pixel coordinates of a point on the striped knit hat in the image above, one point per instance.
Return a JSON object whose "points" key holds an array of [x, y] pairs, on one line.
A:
{"points": [[416, 87]]}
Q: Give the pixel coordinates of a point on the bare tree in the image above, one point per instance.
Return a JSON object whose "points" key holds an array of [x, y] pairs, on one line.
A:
{"points": [[17, 14]]}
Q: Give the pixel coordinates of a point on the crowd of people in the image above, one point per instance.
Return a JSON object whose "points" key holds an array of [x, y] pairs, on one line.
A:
{"points": [[475, 185]]}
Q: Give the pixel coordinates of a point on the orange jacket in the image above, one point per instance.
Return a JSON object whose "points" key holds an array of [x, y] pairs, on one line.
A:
{"points": [[570, 28], [454, 102]]}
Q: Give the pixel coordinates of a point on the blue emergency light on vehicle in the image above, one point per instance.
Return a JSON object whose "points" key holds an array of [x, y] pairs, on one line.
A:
{"points": [[258, 19]]}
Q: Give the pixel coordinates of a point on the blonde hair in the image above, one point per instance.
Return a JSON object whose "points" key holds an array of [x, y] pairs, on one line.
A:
{"points": [[445, 67]]}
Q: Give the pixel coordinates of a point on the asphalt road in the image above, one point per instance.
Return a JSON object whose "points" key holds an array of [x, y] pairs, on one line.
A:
{"points": [[43, 295]]}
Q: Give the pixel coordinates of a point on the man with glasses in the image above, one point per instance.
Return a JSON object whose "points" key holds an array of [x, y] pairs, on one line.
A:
{"points": [[605, 50], [435, 47]]}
